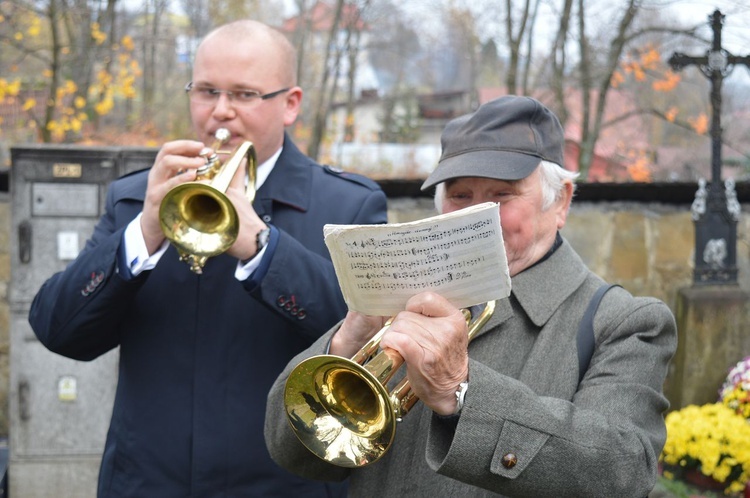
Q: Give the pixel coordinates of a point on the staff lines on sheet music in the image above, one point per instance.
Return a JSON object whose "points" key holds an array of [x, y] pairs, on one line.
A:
{"points": [[412, 237], [392, 286], [418, 251], [408, 272]]}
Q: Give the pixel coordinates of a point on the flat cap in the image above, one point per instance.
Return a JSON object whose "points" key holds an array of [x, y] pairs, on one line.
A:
{"points": [[505, 139]]}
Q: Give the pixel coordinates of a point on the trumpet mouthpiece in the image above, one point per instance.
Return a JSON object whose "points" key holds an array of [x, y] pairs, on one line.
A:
{"points": [[223, 135]]}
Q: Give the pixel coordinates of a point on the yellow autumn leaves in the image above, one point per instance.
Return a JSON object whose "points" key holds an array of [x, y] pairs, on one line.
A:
{"points": [[73, 106]]}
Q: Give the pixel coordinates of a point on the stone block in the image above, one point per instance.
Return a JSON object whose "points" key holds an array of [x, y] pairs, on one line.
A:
{"points": [[629, 260], [713, 335], [590, 231]]}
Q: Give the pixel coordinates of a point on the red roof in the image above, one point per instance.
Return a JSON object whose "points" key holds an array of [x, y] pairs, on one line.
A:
{"points": [[320, 17]]}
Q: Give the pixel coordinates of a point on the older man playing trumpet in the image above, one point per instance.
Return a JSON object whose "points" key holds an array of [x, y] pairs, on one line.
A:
{"points": [[516, 412]]}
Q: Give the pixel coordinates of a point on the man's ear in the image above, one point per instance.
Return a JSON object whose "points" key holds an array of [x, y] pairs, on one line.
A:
{"points": [[563, 203], [293, 105]]}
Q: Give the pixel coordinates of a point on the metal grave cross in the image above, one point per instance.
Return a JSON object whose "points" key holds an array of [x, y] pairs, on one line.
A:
{"points": [[716, 210]]}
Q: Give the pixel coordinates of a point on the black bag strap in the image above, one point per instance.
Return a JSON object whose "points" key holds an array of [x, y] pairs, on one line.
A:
{"points": [[585, 339]]}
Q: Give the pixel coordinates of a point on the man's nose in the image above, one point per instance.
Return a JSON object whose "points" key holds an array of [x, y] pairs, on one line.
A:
{"points": [[223, 105]]}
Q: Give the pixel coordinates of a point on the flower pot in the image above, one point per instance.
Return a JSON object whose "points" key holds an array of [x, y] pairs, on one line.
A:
{"points": [[701, 481]]}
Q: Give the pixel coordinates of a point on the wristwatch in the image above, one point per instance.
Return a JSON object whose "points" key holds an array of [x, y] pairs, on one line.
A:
{"points": [[460, 395], [261, 240]]}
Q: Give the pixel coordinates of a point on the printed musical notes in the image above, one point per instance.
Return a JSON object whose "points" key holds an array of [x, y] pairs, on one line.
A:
{"points": [[459, 255]]}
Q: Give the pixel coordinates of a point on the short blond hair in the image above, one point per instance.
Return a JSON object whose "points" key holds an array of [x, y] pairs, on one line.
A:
{"points": [[249, 28]]}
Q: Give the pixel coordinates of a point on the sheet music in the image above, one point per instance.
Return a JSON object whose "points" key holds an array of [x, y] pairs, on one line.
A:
{"points": [[459, 255]]}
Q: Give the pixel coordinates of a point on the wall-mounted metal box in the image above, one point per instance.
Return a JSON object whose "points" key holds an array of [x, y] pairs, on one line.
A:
{"points": [[59, 408]]}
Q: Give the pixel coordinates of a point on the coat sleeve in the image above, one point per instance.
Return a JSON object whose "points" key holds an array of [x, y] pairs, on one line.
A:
{"points": [[75, 313], [314, 289], [606, 441]]}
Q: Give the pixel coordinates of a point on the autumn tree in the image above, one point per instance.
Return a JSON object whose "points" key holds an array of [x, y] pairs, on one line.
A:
{"points": [[461, 35], [342, 27], [601, 58], [328, 80], [516, 25], [68, 68], [671, 111]]}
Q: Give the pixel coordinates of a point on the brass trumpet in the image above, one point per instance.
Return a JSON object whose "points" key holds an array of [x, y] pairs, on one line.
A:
{"points": [[197, 217], [341, 410]]}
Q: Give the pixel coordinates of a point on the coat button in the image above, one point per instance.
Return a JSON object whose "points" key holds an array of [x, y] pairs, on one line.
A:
{"points": [[266, 218], [509, 460], [288, 304], [281, 301]]}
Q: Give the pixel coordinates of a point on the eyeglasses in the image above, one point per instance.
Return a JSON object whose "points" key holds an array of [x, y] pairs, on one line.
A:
{"points": [[210, 96]]}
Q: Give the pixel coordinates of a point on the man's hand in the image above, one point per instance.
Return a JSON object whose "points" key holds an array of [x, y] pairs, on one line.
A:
{"points": [[354, 333], [175, 163], [432, 337], [245, 246]]}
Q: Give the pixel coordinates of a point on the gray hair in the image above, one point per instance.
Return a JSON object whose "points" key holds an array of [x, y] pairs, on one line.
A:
{"points": [[552, 177]]}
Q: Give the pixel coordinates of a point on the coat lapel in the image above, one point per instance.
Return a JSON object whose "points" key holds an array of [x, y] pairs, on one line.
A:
{"points": [[538, 294], [530, 288], [289, 183]]}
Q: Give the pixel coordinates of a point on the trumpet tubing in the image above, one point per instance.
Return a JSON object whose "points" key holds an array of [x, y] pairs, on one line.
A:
{"points": [[341, 409]]}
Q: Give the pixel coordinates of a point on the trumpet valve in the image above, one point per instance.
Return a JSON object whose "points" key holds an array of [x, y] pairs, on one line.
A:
{"points": [[211, 163], [211, 154]]}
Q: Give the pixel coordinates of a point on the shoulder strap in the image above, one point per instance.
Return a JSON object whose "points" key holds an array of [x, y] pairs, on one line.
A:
{"points": [[585, 339]]}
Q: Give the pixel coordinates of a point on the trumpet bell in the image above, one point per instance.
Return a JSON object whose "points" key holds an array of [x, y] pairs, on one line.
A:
{"points": [[340, 411], [200, 221], [197, 217]]}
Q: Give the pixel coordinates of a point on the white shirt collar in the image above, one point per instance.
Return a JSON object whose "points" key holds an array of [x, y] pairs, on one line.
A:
{"points": [[265, 169]]}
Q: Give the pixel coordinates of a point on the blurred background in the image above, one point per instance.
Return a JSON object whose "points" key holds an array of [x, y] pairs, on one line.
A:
{"points": [[381, 78]]}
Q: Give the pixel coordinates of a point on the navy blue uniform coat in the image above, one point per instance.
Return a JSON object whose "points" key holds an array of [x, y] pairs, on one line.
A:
{"points": [[198, 354]]}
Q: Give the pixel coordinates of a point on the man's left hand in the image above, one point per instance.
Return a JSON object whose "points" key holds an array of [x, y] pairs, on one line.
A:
{"points": [[432, 337]]}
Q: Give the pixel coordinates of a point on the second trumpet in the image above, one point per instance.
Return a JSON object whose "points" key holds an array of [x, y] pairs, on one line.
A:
{"points": [[340, 408]]}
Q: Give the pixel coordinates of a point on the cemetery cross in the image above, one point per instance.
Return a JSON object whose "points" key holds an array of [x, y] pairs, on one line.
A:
{"points": [[716, 210]]}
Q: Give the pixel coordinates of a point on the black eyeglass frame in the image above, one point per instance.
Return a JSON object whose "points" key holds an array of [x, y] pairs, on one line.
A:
{"points": [[231, 94]]}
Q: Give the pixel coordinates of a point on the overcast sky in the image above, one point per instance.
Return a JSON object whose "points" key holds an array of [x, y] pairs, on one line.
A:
{"points": [[735, 32]]}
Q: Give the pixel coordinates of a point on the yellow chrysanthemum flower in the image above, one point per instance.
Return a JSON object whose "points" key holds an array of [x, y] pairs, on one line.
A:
{"points": [[713, 439]]}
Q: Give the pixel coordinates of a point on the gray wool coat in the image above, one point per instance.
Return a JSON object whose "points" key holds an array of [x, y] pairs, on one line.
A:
{"points": [[599, 438]]}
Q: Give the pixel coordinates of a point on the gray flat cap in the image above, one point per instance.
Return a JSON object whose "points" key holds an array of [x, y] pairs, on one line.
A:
{"points": [[505, 139]]}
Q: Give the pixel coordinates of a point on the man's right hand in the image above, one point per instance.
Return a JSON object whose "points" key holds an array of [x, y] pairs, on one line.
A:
{"points": [[175, 163]]}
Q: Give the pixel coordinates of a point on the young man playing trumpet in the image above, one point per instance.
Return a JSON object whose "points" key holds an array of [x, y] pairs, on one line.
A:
{"points": [[198, 353]]}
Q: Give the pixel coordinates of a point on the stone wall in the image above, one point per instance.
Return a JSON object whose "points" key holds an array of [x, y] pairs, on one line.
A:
{"points": [[647, 247]]}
